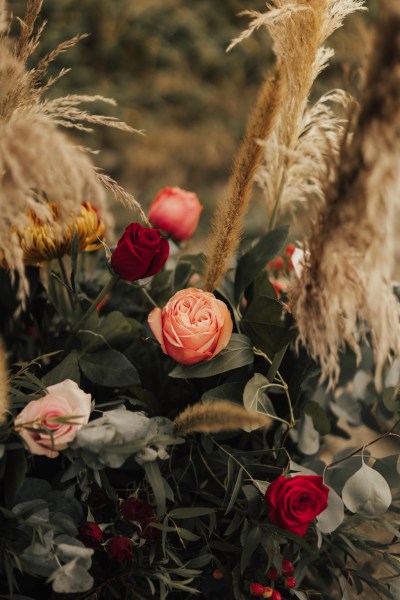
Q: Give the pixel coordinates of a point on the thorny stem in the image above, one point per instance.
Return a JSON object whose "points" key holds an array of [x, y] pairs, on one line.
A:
{"points": [[361, 449]]}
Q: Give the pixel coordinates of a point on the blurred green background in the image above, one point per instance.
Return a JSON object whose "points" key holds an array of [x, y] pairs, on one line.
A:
{"points": [[165, 63]]}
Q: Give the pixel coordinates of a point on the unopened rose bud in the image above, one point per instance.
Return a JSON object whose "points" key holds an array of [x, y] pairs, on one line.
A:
{"points": [[290, 582], [273, 573], [287, 567], [256, 589], [218, 574]]}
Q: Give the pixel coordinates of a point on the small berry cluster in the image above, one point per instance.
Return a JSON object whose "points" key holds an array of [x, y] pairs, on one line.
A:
{"points": [[279, 268], [282, 579]]}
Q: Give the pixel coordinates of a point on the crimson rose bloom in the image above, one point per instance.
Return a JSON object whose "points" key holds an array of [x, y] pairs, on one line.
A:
{"points": [[292, 503], [140, 252], [90, 535], [134, 509], [120, 549]]}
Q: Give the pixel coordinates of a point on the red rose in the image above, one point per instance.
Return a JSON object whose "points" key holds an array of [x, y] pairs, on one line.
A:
{"points": [[292, 503], [90, 535], [140, 252], [134, 509], [176, 211], [120, 549]]}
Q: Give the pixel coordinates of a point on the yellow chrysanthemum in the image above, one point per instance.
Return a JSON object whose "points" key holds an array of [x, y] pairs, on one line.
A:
{"points": [[41, 241]]}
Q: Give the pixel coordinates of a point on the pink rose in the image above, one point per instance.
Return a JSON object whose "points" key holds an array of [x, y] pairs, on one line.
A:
{"points": [[64, 399], [193, 326], [176, 211]]}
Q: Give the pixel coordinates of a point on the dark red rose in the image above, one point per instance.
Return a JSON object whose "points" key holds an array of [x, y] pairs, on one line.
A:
{"points": [[292, 503], [134, 509], [120, 549], [140, 252], [90, 535]]}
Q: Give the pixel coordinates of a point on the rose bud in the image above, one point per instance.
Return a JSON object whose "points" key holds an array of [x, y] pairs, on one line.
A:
{"points": [[292, 503], [120, 550], [176, 211], [267, 593], [256, 589], [276, 595], [218, 574], [290, 582], [193, 326], [90, 535], [287, 567], [141, 252], [273, 573]]}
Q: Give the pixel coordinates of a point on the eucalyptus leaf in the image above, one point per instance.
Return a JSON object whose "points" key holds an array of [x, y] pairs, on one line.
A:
{"points": [[71, 578], [68, 368], [256, 259], [238, 353], [308, 436], [263, 324], [367, 492], [333, 516], [318, 416]]}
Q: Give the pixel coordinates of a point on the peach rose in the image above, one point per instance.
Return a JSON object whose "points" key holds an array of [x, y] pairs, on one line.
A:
{"points": [[64, 399], [176, 211], [192, 326]]}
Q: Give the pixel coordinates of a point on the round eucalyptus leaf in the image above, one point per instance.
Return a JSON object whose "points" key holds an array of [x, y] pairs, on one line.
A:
{"points": [[367, 492], [331, 517]]}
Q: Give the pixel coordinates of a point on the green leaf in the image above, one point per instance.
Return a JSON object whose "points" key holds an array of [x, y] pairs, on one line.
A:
{"points": [[109, 368], [186, 266], [68, 368], [235, 491], [15, 471], [256, 259], [264, 326], [189, 513], [154, 478], [113, 330], [319, 418], [238, 353], [232, 391], [250, 546]]}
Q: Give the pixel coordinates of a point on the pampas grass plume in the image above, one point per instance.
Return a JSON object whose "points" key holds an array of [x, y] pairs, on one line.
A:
{"points": [[3, 383]]}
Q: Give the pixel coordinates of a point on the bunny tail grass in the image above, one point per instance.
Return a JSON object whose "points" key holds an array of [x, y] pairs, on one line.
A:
{"points": [[218, 416]]}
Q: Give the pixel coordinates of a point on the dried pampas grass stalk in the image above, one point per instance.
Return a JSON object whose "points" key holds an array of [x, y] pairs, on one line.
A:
{"points": [[228, 219], [301, 138], [37, 160], [4, 404], [346, 278], [218, 416]]}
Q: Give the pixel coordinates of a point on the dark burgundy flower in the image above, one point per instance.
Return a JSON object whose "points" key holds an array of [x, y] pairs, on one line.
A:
{"points": [[90, 535], [141, 252], [143, 513], [120, 550]]}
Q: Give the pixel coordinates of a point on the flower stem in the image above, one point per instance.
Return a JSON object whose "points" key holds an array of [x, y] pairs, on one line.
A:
{"points": [[106, 289]]}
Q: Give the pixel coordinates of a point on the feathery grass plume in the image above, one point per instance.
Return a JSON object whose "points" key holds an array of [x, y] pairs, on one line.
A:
{"points": [[37, 160], [346, 278], [3, 380], [228, 218], [212, 417], [301, 138]]}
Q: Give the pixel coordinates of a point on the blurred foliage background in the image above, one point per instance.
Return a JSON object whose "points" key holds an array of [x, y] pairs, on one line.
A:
{"points": [[165, 63]]}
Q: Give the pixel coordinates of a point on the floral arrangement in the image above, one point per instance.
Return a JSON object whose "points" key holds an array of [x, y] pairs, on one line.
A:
{"points": [[163, 414]]}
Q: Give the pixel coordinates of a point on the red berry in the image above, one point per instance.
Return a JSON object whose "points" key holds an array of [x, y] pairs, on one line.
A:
{"points": [[218, 574], [290, 582], [267, 593], [273, 573], [276, 595], [290, 249], [287, 567], [256, 589]]}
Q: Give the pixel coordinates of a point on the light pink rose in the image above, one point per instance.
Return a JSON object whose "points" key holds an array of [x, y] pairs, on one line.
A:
{"points": [[64, 399], [176, 211], [192, 326]]}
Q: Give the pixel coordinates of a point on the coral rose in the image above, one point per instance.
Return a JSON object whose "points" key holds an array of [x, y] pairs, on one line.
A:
{"points": [[292, 503], [193, 326], [39, 422], [141, 252], [176, 211]]}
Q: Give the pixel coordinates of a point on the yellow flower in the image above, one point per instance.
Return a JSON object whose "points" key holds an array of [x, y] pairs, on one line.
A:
{"points": [[41, 241]]}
